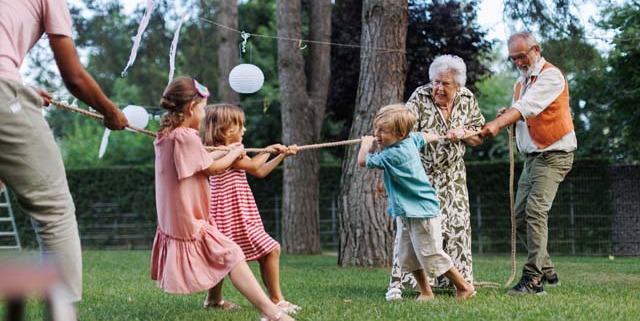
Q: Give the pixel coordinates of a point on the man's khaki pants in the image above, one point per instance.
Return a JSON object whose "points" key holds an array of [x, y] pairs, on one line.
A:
{"points": [[31, 166], [537, 187]]}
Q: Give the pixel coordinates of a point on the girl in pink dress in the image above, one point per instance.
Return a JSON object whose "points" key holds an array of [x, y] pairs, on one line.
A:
{"points": [[232, 204], [189, 253]]}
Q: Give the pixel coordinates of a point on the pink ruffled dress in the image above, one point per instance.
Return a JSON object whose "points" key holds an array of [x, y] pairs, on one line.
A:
{"points": [[189, 253]]}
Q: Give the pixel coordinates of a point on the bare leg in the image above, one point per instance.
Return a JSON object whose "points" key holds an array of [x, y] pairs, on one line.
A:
{"points": [[423, 285], [214, 295], [243, 279], [464, 290], [270, 272]]}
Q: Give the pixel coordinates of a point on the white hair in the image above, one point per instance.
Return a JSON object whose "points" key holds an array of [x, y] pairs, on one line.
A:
{"points": [[527, 36], [449, 63]]}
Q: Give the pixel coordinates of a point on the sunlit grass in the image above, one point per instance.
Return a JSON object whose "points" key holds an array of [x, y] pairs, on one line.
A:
{"points": [[117, 287]]}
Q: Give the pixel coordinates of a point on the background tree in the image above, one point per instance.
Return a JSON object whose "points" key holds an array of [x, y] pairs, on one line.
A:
{"points": [[104, 35], [595, 82], [346, 29], [227, 15], [303, 87], [551, 19], [262, 109], [619, 94], [434, 29], [366, 236]]}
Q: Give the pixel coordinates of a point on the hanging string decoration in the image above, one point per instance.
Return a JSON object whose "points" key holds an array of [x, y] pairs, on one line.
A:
{"points": [[138, 37], [246, 78], [174, 47]]}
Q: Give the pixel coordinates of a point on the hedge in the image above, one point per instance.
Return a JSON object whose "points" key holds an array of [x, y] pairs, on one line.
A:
{"points": [[121, 199]]}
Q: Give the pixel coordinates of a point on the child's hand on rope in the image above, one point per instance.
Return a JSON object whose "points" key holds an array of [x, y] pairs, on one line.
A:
{"points": [[239, 149], [279, 148], [431, 137], [367, 141], [291, 150], [366, 144]]}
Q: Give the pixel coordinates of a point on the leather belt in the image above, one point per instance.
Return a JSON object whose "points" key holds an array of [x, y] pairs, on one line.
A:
{"points": [[534, 154]]}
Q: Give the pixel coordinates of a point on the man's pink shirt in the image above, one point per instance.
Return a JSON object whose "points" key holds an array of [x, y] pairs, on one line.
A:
{"points": [[22, 24]]}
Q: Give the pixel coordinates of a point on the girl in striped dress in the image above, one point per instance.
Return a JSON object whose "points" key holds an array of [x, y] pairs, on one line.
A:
{"points": [[189, 254], [233, 206]]}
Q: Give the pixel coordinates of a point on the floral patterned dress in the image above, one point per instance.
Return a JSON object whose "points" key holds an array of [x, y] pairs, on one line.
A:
{"points": [[444, 164]]}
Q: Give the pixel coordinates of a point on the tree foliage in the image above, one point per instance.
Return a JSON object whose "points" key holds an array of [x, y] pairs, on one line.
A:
{"points": [[620, 85], [550, 18], [435, 28], [444, 27], [603, 87], [104, 34]]}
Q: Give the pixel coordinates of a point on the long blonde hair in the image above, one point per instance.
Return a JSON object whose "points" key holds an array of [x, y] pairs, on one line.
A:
{"points": [[175, 97], [218, 119]]}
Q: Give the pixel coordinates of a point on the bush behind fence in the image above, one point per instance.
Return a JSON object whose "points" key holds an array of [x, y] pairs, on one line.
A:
{"points": [[595, 211]]}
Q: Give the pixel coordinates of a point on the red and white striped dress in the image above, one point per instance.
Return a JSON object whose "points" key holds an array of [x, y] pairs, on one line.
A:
{"points": [[236, 214]]}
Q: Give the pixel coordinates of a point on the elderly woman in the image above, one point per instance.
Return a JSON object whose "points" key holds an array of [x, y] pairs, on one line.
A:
{"points": [[446, 107]]}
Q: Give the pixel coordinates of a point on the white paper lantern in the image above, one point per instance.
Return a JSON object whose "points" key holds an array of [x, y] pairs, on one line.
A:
{"points": [[246, 78], [136, 115]]}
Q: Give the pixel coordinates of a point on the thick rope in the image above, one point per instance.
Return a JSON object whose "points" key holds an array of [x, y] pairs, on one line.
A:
{"points": [[303, 147], [323, 145], [489, 285], [248, 150], [98, 116], [511, 132]]}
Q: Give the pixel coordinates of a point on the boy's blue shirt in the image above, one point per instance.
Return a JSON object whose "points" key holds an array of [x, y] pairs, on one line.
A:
{"points": [[410, 193]]}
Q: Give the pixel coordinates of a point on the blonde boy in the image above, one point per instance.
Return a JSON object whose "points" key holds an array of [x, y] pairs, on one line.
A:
{"points": [[412, 199]]}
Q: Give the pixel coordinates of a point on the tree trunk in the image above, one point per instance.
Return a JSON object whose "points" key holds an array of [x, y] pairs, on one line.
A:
{"points": [[366, 231], [303, 97], [227, 49]]}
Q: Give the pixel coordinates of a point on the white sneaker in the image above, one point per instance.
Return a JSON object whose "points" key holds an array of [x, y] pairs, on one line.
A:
{"points": [[393, 294]]}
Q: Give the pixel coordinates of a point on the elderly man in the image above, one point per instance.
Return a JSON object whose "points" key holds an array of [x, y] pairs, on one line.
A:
{"points": [[545, 135]]}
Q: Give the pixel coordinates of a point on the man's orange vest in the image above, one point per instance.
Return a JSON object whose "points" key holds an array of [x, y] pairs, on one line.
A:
{"points": [[554, 121]]}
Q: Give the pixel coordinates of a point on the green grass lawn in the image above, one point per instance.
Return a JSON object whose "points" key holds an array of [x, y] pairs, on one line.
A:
{"points": [[117, 287]]}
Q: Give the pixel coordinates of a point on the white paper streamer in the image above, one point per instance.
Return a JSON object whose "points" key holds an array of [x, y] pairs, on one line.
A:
{"points": [[138, 38], [174, 48]]}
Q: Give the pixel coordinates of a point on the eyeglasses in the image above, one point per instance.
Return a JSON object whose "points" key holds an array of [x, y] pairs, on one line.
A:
{"points": [[445, 84], [520, 56], [201, 90]]}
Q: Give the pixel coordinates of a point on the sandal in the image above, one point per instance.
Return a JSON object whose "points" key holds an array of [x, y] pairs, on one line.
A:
{"points": [[222, 304], [288, 307], [276, 317]]}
